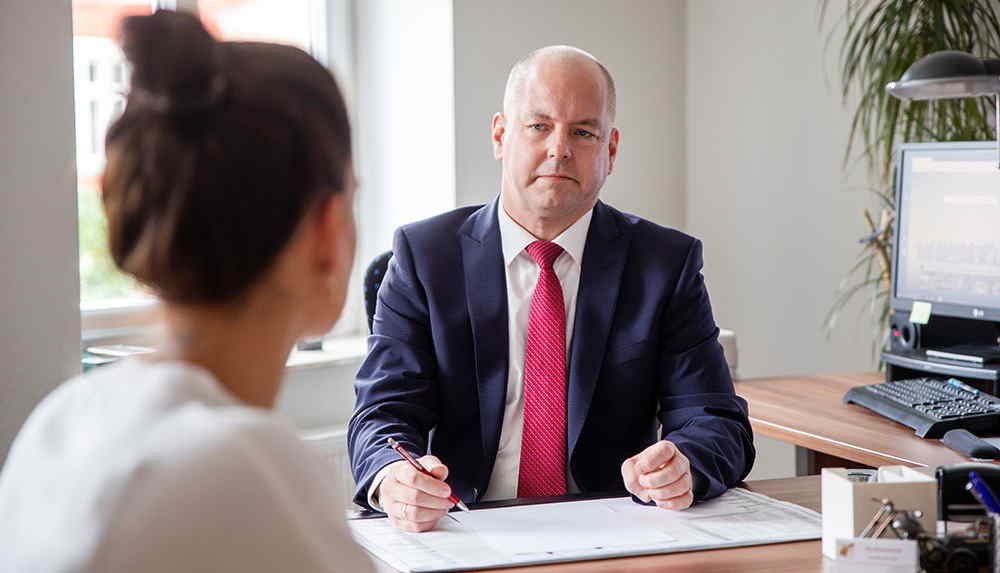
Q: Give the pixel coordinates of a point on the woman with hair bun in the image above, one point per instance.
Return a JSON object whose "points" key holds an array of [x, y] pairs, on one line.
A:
{"points": [[228, 191]]}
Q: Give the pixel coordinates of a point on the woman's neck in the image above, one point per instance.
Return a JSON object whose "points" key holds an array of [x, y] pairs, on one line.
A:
{"points": [[244, 348]]}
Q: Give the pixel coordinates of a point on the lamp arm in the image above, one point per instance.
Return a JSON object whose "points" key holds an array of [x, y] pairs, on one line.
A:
{"points": [[993, 68]]}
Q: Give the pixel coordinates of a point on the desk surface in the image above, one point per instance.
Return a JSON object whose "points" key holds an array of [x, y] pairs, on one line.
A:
{"points": [[807, 411], [797, 557]]}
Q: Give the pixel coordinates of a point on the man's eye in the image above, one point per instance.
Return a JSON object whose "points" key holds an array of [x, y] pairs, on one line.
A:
{"points": [[584, 133], [537, 126]]}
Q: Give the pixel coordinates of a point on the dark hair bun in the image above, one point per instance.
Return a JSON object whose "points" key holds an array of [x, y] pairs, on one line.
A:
{"points": [[175, 63], [221, 151]]}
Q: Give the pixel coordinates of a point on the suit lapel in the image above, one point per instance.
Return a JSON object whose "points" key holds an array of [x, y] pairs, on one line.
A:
{"points": [[486, 298], [600, 276]]}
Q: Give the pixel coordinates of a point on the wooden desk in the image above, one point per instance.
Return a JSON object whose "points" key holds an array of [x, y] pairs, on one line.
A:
{"points": [[797, 557], [807, 411]]}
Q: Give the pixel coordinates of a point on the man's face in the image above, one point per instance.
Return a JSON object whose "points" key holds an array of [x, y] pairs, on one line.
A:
{"points": [[555, 140]]}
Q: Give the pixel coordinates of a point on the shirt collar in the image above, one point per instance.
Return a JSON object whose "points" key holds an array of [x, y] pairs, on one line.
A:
{"points": [[514, 238]]}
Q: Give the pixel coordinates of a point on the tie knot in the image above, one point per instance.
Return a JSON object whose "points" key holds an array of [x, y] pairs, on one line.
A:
{"points": [[544, 253]]}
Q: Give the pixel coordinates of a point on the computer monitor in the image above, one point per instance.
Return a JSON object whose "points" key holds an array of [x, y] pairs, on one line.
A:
{"points": [[947, 242]]}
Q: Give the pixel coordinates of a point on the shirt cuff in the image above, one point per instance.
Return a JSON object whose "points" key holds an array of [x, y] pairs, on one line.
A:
{"points": [[373, 501]]}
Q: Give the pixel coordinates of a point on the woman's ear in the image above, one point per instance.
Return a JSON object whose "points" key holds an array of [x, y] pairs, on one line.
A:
{"points": [[332, 233], [329, 232]]}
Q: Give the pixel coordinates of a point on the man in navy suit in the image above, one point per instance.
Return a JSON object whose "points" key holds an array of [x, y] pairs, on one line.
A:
{"points": [[532, 346]]}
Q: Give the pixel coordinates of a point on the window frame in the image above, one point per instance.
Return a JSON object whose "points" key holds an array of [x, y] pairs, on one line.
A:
{"points": [[137, 321]]}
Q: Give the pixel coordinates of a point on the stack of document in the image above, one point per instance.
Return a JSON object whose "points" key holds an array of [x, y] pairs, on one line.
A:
{"points": [[590, 529]]}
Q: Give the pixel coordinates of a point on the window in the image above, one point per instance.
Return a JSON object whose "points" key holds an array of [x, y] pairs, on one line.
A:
{"points": [[298, 23], [99, 86], [113, 306]]}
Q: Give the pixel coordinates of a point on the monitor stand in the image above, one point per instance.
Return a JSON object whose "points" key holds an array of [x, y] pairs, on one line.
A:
{"points": [[904, 364], [972, 353]]}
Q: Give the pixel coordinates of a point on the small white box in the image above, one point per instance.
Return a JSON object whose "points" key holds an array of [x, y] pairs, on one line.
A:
{"points": [[848, 506]]}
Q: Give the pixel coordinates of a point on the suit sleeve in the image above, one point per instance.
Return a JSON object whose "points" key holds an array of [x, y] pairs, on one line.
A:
{"points": [[396, 387], [699, 409]]}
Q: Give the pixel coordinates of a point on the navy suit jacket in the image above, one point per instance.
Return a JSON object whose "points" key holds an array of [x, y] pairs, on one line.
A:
{"points": [[644, 348]]}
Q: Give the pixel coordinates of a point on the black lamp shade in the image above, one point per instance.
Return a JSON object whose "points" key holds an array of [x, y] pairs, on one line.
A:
{"points": [[948, 74]]}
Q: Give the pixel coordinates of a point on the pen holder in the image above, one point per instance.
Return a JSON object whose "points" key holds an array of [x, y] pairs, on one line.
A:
{"points": [[849, 505]]}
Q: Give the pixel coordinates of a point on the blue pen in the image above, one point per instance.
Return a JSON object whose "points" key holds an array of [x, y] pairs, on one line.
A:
{"points": [[982, 492], [963, 386]]}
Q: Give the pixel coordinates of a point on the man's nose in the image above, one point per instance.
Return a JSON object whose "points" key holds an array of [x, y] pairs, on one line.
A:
{"points": [[559, 147]]}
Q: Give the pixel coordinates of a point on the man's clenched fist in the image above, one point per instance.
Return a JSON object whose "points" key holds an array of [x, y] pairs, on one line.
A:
{"points": [[660, 473]]}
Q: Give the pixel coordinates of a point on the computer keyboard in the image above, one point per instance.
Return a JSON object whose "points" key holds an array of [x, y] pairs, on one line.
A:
{"points": [[930, 406]]}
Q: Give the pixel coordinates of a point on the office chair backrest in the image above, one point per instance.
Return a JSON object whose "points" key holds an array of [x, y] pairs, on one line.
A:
{"points": [[373, 280]]}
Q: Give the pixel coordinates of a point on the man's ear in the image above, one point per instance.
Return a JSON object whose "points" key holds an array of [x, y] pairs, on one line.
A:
{"points": [[499, 128], [613, 149]]}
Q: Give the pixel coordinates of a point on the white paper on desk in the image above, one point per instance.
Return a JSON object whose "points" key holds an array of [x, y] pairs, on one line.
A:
{"points": [[590, 529], [737, 515], [537, 529]]}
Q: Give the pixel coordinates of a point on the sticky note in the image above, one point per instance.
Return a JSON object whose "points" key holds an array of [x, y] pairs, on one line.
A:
{"points": [[920, 313]]}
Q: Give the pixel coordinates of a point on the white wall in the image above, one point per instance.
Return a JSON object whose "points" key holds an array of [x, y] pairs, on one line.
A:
{"points": [[404, 110], [39, 283], [766, 193], [766, 189], [320, 397], [642, 44]]}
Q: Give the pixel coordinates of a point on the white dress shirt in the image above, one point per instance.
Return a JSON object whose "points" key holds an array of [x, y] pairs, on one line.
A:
{"points": [[522, 274]]}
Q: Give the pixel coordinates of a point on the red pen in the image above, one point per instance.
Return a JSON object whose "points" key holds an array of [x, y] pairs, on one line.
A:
{"points": [[413, 462]]}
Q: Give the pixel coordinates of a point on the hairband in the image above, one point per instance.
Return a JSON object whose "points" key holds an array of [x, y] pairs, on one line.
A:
{"points": [[167, 105]]}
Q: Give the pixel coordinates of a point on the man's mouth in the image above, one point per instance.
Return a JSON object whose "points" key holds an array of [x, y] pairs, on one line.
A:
{"points": [[556, 176]]}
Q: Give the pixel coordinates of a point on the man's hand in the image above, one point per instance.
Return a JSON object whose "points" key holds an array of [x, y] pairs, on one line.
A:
{"points": [[414, 501], [660, 473]]}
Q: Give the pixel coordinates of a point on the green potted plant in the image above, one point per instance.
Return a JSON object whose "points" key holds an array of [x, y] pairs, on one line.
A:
{"points": [[880, 40]]}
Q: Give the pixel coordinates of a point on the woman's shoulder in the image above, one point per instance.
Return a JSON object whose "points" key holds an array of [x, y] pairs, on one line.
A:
{"points": [[169, 424], [115, 407], [135, 383], [234, 439], [167, 468], [236, 479]]}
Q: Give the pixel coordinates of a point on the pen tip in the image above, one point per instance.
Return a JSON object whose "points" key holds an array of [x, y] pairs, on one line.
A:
{"points": [[462, 506]]}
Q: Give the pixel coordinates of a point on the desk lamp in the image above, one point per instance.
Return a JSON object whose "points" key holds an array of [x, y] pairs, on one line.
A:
{"points": [[950, 74]]}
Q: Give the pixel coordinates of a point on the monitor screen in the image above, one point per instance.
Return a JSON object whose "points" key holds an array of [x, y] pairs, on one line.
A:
{"points": [[947, 247]]}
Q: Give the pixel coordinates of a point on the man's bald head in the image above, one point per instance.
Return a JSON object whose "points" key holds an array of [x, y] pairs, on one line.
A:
{"points": [[524, 66]]}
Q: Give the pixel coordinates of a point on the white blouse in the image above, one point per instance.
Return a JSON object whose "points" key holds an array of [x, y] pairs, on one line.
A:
{"points": [[154, 467]]}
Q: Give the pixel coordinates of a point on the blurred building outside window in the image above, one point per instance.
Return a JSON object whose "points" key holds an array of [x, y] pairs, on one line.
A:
{"points": [[110, 302]]}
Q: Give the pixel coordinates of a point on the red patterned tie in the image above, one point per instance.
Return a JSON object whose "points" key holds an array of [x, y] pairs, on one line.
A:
{"points": [[543, 444]]}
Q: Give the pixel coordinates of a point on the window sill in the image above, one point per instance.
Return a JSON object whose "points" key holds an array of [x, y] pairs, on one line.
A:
{"points": [[138, 323], [140, 328], [132, 322], [337, 350]]}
